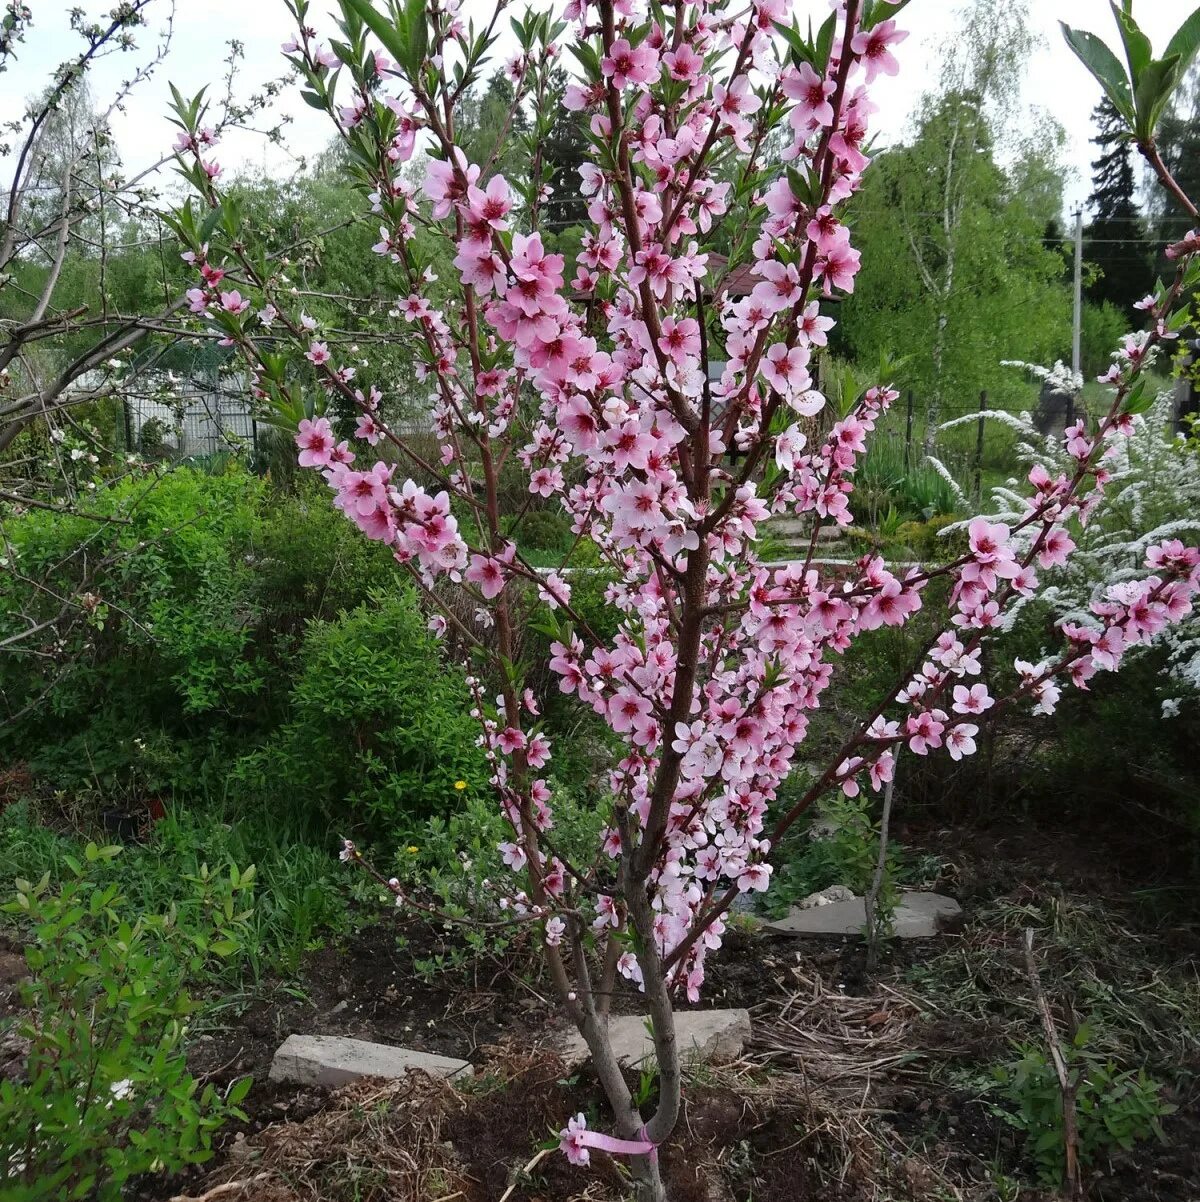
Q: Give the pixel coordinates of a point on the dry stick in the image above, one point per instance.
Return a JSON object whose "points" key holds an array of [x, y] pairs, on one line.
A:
{"points": [[220, 1191], [1066, 1085], [524, 1172], [872, 898]]}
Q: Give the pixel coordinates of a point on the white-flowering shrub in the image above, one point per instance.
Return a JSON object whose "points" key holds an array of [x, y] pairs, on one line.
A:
{"points": [[1155, 489]]}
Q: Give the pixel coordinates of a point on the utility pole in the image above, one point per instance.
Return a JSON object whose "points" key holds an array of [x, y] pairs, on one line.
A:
{"points": [[979, 446], [1077, 324], [908, 432]]}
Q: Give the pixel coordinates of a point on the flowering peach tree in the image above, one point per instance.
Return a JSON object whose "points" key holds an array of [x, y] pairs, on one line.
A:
{"points": [[670, 414]]}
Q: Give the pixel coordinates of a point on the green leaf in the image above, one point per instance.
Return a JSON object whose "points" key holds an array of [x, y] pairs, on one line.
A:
{"points": [[418, 30], [1137, 44], [400, 48], [1104, 66], [1154, 88], [824, 43], [210, 224], [884, 10], [1185, 42], [1139, 399], [801, 48]]}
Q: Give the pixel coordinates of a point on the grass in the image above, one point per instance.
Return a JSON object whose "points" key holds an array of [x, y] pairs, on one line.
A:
{"points": [[1142, 1005], [300, 896]]}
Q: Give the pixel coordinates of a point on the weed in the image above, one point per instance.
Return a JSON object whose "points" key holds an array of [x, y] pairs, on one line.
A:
{"points": [[1114, 1108]]}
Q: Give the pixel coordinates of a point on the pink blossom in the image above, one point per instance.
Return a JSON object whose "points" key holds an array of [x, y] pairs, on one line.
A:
{"points": [[513, 855], [1055, 548], [447, 182], [755, 877], [683, 64], [925, 731], [680, 339], [315, 440], [960, 740], [488, 574], [546, 481], [492, 205], [811, 94], [872, 48], [625, 64], [233, 302], [785, 369], [973, 700], [780, 286], [368, 428], [510, 739]]}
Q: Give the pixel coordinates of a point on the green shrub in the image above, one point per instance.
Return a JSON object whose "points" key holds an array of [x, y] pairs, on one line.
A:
{"points": [[107, 1095], [939, 547], [378, 729], [170, 644], [311, 563], [1101, 330], [192, 658], [546, 529], [1113, 1108]]}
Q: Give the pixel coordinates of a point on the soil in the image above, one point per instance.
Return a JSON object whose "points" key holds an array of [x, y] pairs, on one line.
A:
{"points": [[368, 987], [769, 1129]]}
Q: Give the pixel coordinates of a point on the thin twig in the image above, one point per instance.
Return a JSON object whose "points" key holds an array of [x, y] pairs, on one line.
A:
{"points": [[1066, 1083], [524, 1173], [221, 1191], [872, 899]]}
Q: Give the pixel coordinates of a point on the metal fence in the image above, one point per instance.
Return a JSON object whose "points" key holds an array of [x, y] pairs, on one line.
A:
{"points": [[180, 418]]}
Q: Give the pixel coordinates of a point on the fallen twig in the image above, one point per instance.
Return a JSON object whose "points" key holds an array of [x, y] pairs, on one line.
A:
{"points": [[221, 1191], [524, 1173]]}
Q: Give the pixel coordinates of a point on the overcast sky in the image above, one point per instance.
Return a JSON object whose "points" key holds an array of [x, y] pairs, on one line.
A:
{"points": [[1055, 81]]}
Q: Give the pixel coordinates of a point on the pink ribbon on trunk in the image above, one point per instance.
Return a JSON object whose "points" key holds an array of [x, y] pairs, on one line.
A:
{"points": [[620, 1147], [575, 1139]]}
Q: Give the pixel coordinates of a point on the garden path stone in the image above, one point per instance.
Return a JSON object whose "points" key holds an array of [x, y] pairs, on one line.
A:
{"points": [[702, 1035], [918, 916], [334, 1060]]}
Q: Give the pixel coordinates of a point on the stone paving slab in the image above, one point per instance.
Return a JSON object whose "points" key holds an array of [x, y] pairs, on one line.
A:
{"points": [[918, 916], [333, 1060], [707, 1035]]}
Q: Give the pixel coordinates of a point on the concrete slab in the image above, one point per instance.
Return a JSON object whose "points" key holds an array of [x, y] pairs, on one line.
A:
{"points": [[333, 1060], [918, 916], [705, 1035]]}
